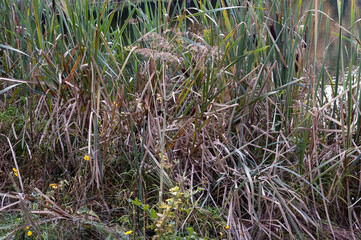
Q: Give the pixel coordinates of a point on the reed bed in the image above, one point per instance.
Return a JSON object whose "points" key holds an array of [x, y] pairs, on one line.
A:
{"points": [[215, 122]]}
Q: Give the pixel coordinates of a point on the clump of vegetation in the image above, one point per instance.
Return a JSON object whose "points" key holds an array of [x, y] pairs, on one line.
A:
{"points": [[212, 123]]}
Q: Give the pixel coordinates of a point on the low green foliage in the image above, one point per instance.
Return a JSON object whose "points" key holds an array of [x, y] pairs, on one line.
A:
{"points": [[11, 116]]}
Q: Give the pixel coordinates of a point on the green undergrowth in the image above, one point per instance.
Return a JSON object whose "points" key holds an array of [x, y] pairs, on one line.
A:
{"points": [[214, 122]]}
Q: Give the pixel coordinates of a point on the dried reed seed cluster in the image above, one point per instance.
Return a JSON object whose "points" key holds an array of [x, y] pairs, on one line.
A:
{"points": [[160, 49]]}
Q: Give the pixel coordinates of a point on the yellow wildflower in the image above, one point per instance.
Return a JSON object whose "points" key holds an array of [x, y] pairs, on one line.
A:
{"points": [[27, 227], [227, 227], [164, 157], [129, 232], [53, 185], [86, 158], [15, 171], [30, 233], [174, 189]]}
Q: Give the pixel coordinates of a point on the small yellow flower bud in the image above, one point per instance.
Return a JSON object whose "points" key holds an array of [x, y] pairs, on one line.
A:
{"points": [[15, 171]]}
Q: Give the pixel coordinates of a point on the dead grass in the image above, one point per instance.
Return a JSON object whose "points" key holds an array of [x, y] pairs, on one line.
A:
{"points": [[200, 128]]}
